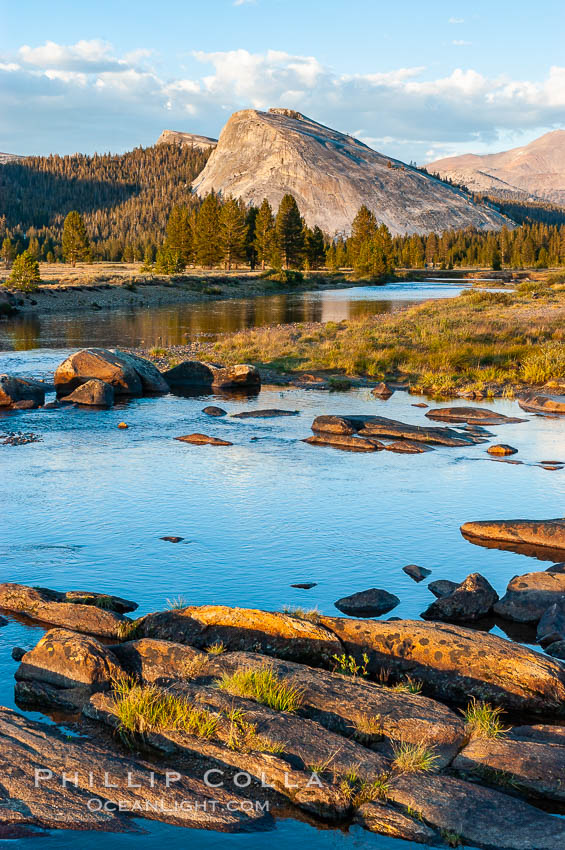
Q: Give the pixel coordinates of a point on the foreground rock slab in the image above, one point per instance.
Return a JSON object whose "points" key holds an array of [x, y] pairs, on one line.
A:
{"points": [[380, 818], [344, 442], [269, 632], [379, 426], [534, 767], [528, 596], [27, 747], [482, 817], [456, 663], [470, 600], [60, 609], [548, 533], [268, 413]]}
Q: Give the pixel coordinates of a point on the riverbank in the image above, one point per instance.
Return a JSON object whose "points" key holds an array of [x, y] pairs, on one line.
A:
{"points": [[478, 344]]}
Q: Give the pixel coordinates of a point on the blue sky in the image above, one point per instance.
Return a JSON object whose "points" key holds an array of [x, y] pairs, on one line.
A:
{"points": [[415, 80]]}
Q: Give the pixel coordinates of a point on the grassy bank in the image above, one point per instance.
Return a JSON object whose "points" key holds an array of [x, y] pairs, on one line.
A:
{"points": [[483, 341]]}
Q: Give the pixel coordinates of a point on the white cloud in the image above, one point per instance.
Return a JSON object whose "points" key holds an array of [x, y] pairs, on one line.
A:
{"points": [[459, 42], [457, 20], [243, 2], [85, 97]]}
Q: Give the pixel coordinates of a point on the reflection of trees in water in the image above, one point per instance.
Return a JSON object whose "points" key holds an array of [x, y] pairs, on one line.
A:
{"points": [[178, 324]]}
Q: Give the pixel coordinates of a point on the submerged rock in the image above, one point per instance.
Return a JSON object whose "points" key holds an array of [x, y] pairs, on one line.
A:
{"points": [[528, 596], [195, 373], [548, 533], [408, 447], [95, 393], [553, 405], [172, 539], [50, 606], [378, 426], [211, 410], [13, 391], [269, 413], [470, 600], [416, 572], [306, 585], [471, 416], [368, 603], [203, 439]]}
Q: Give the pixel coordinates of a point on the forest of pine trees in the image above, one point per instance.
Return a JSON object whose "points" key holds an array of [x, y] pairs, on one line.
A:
{"points": [[139, 206]]}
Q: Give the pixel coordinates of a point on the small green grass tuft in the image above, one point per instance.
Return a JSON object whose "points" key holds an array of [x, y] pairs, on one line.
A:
{"points": [[216, 648], [357, 791], [409, 686], [177, 603], [368, 729], [264, 686], [243, 736], [484, 720], [348, 666], [311, 614], [413, 758], [452, 839], [130, 630], [146, 708]]}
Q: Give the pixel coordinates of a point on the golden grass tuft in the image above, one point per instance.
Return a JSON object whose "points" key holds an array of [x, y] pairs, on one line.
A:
{"points": [[264, 686]]}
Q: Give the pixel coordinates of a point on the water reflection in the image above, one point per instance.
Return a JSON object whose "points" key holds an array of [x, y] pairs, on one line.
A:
{"points": [[180, 323]]}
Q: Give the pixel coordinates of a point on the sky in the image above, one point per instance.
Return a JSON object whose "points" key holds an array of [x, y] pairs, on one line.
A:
{"points": [[415, 80]]}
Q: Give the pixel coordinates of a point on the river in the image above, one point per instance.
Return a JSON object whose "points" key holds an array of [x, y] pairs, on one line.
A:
{"points": [[85, 507]]}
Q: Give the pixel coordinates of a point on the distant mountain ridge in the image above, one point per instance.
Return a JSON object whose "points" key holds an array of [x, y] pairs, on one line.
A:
{"points": [[190, 140], [535, 170], [267, 154], [9, 157]]}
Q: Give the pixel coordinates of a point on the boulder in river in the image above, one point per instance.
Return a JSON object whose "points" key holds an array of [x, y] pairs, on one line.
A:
{"points": [[471, 416], [90, 615], [416, 572], [333, 425], [89, 363], [195, 373], [442, 587], [382, 390], [15, 390], [470, 600], [456, 663], [212, 410], [379, 426], [557, 649], [408, 447], [541, 533], [269, 413], [94, 393], [502, 449], [203, 439], [553, 405], [344, 442], [528, 596], [551, 627], [368, 603], [152, 381]]}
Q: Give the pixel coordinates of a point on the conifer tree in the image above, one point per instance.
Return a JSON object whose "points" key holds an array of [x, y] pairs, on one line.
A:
{"points": [[25, 273], [314, 247], [250, 249], [288, 229], [169, 261], [207, 249], [179, 235], [76, 246], [232, 232], [8, 251], [264, 234]]}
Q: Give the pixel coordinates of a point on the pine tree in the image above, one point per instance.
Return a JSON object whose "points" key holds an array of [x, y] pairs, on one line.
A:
{"points": [[362, 231], [25, 273], [169, 261], [288, 229], [250, 250], [232, 232], [314, 247], [207, 248], [179, 235], [8, 252], [76, 245], [264, 233]]}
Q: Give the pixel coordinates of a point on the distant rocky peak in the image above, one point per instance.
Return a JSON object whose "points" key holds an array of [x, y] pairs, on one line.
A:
{"points": [[288, 113]]}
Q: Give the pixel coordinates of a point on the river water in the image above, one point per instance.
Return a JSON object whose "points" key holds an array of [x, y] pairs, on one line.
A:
{"points": [[85, 508]]}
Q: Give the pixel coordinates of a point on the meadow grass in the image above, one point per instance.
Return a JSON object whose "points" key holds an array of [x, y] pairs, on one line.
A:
{"points": [[477, 339], [264, 686]]}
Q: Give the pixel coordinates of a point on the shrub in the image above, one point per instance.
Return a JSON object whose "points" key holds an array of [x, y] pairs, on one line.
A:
{"points": [[264, 686], [348, 666]]}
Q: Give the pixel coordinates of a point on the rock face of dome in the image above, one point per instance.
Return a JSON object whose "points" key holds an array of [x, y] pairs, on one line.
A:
{"points": [[266, 154], [189, 140]]}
